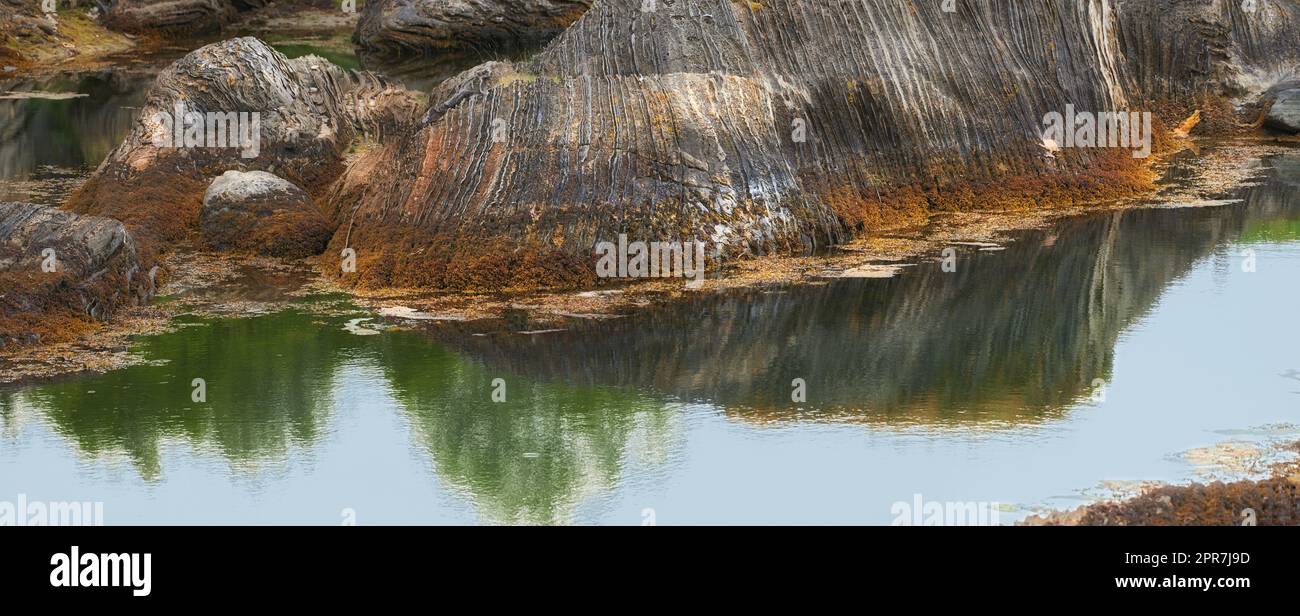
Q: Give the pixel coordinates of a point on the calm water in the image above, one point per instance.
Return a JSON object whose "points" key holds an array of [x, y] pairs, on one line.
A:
{"points": [[975, 386]]}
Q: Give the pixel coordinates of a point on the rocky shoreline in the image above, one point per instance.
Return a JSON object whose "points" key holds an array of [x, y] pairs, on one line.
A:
{"points": [[803, 141], [491, 184]]}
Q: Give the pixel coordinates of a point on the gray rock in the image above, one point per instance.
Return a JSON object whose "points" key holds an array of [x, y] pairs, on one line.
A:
{"points": [[95, 257], [169, 16], [308, 113], [768, 126], [392, 28], [1284, 115], [260, 212]]}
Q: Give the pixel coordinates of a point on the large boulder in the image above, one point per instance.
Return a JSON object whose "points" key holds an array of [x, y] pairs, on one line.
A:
{"points": [[401, 27], [782, 125], [169, 16], [56, 267], [254, 109], [185, 17], [1284, 115], [262, 213]]}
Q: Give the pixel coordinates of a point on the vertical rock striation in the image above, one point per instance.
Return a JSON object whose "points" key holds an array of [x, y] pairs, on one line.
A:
{"points": [[778, 125], [395, 28]]}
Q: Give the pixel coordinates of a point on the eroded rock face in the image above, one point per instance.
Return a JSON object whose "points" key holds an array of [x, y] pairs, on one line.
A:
{"points": [[780, 125], [261, 213], [394, 28], [55, 264], [238, 105], [169, 16], [1284, 115]]}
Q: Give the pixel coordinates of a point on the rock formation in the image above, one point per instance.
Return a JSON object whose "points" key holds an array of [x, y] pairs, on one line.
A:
{"points": [[57, 268], [782, 125], [169, 16], [238, 105], [391, 28], [1284, 115], [261, 213], [184, 17]]}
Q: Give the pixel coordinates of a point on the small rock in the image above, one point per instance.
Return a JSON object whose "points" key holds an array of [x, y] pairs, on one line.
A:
{"points": [[1285, 113], [262, 213]]}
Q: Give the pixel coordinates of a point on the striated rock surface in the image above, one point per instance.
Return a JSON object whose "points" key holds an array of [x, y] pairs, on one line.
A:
{"points": [[262, 213], [57, 267], [169, 16], [185, 17], [254, 109], [780, 125], [392, 28]]}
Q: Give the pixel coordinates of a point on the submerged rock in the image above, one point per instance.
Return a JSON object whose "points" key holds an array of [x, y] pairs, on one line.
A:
{"points": [[56, 265], [262, 213], [1284, 115], [238, 105], [781, 125], [397, 27]]}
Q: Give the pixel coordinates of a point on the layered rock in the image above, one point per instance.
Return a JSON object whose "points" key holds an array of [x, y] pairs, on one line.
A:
{"points": [[57, 267], [392, 28], [238, 105], [261, 213], [780, 125], [184, 17], [169, 16], [1284, 115]]}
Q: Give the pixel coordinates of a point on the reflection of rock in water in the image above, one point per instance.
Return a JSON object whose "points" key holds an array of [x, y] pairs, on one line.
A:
{"points": [[72, 133], [533, 458], [1015, 335], [270, 383]]}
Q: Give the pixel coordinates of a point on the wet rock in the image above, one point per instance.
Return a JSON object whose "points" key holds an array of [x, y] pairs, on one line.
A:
{"points": [[394, 28], [1284, 115], [261, 213], [169, 16], [241, 105], [55, 264]]}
